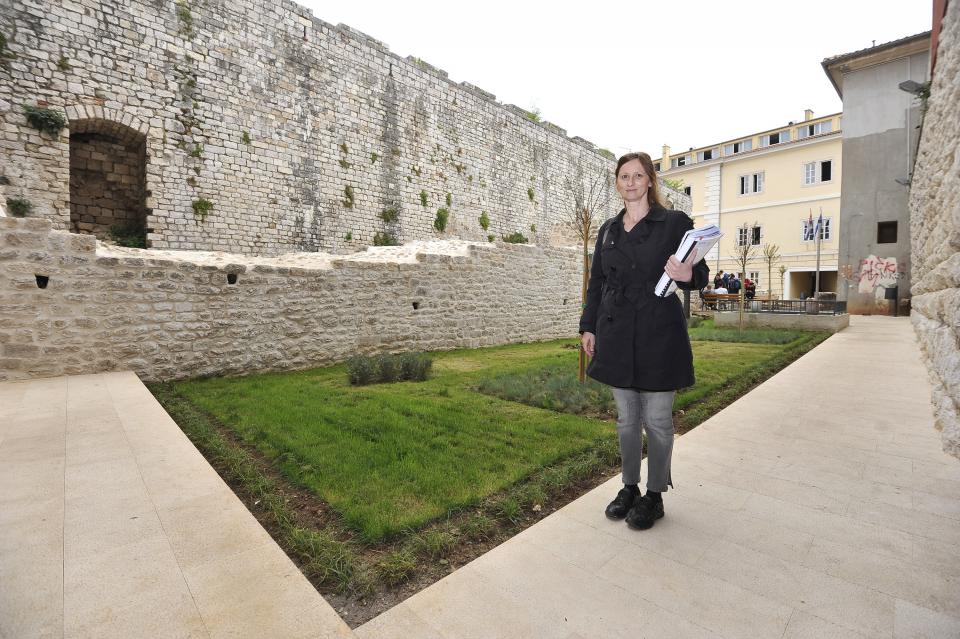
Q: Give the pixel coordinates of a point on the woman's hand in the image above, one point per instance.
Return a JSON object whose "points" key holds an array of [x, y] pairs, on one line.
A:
{"points": [[680, 271], [588, 341]]}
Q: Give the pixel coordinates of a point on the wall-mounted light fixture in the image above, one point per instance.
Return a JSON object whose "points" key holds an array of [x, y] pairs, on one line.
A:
{"points": [[911, 86]]}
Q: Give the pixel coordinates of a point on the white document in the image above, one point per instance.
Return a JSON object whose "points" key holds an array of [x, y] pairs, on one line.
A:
{"points": [[698, 241]]}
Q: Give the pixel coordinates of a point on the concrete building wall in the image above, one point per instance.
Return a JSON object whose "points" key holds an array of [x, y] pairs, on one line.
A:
{"points": [[879, 142], [935, 234]]}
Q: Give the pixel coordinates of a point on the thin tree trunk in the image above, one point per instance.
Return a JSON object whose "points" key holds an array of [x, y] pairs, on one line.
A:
{"points": [[582, 373]]}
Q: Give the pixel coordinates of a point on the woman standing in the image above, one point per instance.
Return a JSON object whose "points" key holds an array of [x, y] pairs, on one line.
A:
{"points": [[639, 341]]}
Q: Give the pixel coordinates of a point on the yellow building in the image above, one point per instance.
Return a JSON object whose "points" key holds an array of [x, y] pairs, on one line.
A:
{"points": [[761, 189]]}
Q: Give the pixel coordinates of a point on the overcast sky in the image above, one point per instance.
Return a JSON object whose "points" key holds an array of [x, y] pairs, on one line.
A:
{"points": [[637, 75]]}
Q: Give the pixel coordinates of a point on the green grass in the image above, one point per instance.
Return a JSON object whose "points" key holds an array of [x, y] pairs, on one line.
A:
{"points": [[392, 457]]}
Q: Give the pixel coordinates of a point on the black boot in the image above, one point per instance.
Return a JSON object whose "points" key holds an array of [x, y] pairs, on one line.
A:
{"points": [[619, 507], [645, 511]]}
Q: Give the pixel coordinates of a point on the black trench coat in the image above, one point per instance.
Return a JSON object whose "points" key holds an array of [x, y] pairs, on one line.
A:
{"points": [[641, 339]]}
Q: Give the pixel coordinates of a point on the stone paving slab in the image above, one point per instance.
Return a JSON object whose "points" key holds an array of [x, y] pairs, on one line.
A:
{"points": [[818, 505], [113, 525]]}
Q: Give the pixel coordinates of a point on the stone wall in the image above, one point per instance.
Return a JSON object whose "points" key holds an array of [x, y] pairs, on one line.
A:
{"points": [[67, 307], [302, 135], [935, 233]]}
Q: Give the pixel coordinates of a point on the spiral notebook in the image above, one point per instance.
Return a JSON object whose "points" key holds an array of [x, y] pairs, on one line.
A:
{"points": [[699, 240]]}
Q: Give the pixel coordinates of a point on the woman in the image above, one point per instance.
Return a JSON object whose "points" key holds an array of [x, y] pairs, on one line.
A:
{"points": [[639, 341]]}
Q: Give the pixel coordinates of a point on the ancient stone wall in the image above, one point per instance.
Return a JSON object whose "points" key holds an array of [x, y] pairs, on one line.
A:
{"points": [[935, 233], [67, 307], [297, 135]]}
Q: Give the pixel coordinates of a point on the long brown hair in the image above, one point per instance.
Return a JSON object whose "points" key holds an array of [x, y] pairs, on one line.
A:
{"points": [[653, 193]]}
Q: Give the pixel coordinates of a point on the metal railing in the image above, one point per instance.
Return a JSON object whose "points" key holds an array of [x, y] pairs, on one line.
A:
{"points": [[796, 307]]}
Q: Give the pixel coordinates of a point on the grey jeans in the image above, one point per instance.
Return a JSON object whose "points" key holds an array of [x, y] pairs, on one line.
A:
{"points": [[652, 411]]}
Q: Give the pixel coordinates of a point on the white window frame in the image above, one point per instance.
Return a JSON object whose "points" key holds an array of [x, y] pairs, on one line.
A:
{"points": [[825, 233], [746, 234], [681, 160], [813, 172], [740, 146], [702, 155], [782, 137], [810, 130], [755, 183], [754, 277]]}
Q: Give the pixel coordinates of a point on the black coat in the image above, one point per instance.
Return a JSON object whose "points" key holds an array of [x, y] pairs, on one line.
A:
{"points": [[641, 339]]}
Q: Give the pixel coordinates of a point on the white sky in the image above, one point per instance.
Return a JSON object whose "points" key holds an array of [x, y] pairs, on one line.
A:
{"points": [[637, 75]]}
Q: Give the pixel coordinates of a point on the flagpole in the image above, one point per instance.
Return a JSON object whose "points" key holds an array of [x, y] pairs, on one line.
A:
{"points": [[818, 232]]}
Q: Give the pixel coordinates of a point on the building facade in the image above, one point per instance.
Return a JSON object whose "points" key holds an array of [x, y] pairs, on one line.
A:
{"points": [[882, 115], [762, 189]]}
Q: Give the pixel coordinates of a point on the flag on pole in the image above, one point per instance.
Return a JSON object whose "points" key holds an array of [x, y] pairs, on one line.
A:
{"points": [[808, 232], [818, 230]]}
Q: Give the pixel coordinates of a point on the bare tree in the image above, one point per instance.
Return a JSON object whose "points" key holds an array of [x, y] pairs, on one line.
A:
{"points": [[591, 197], [771, 253], [745, 251]]}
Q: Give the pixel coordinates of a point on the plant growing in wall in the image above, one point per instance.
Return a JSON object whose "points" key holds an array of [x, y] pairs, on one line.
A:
{"points": [[440, 222], [385, 238], [389, 215], [5, 53], [63, 64], [45, 120], [530, 193], [423, 198], [197, 151], [349, 236], [491, 238], [534, 115], [19, 207], [449, 200], [202, 207], [676, 185], [373, 158], [348, 196], [484, 220], [607, 153], [245, 138], [185, 18], [515, 238], [533, 228]]}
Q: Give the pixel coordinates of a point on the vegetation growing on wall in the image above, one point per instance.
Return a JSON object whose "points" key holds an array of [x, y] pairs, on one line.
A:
{"points": [[515, 238], [19, 207], [245, 138], [389, 215], [423, 198], [185, 17], [348, 196], [385, 238], [484, 220], [201, 207], [45, 120], [440, 222]]}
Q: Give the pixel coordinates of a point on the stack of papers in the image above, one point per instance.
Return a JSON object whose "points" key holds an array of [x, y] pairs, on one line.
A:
{"points": [[695, 241]]}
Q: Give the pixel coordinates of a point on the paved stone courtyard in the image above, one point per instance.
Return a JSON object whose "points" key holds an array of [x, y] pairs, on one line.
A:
{"points": [[818, 505]]}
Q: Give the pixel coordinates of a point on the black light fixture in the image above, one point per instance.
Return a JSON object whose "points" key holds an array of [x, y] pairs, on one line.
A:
{"points": [[911, 86]]}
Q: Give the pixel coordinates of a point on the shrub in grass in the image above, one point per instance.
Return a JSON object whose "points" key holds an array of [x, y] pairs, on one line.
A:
{"points": [[415, 366], [397, 567], [509, 509], [694, 321], [361, 370], [388, 368]]}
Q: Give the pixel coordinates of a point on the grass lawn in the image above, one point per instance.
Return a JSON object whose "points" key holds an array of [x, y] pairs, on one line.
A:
{"points": [[391, 457], [385, 488]]}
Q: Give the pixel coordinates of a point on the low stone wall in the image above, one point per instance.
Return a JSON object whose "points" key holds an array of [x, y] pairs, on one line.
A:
{"points": [[71, 306], [832, 323], [935, 234]]}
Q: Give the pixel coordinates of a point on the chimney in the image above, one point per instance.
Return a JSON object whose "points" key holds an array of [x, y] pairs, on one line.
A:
{"points": [[808, 114], [665, 158]]}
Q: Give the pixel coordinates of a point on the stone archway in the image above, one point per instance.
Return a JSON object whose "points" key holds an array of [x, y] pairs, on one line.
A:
{"points": [[108, 188]]}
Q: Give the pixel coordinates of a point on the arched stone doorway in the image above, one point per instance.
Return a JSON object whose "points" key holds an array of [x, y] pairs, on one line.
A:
{"points": [[108, 181]]}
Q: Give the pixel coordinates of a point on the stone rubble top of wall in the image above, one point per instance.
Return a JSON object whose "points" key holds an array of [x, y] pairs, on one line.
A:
{"points": [[410, 253]]}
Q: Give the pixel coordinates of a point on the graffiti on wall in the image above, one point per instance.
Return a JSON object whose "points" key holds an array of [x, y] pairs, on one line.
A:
{"points": [[874, 274]]}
